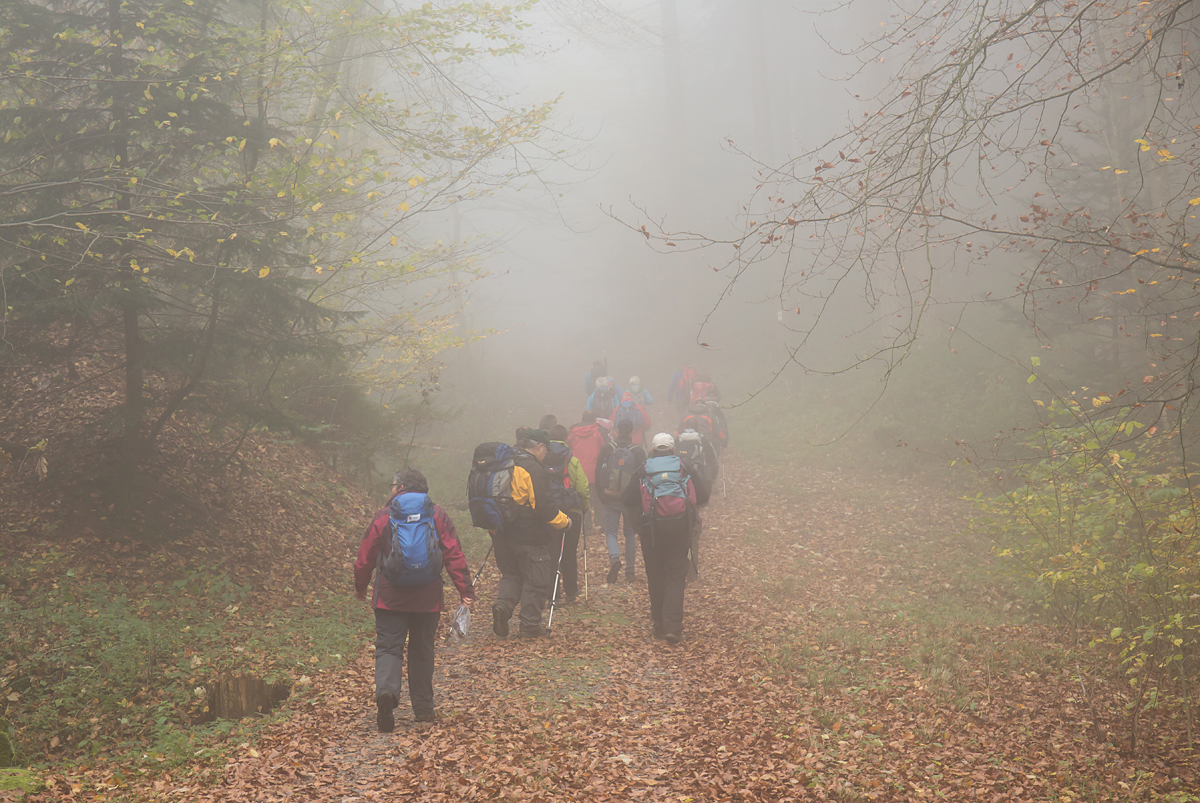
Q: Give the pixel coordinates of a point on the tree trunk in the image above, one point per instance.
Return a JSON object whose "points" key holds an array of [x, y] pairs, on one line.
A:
{"points": [[133, 410]]}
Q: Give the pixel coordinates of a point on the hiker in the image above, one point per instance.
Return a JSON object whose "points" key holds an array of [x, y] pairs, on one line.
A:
{"points": [[701, 452], [639, 393], [703, 389], [615, 468], [548, 422], [720, 425], [598, 370], [666, 491], [523, 552], [408, 610], [604, 398], [697, 418], [630, 410], [586, 439], [680, 388], [572, 498]]}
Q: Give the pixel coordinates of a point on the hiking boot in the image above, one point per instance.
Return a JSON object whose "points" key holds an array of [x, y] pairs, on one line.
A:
{"points": [[629, 577], [541, 632], [500, 620], [384, 703], [659, 632], [672, 638], [614, 569], [424, 716]]}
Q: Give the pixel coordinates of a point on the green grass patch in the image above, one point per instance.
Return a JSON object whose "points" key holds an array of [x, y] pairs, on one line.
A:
{"points": [[118, 668]]}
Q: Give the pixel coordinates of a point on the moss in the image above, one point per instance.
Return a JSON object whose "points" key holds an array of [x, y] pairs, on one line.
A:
{"points": [[18, 778]]}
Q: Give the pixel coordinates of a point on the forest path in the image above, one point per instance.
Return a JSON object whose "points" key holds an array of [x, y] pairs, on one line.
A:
{"points": [[837, 647]]}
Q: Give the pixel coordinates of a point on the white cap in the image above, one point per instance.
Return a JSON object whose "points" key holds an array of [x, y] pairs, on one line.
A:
{"points": [[602, 382], [663, 442], [633, 380]]}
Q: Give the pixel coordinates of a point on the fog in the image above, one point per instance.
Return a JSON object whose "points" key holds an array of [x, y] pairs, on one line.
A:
{"points": [[570, 277]]}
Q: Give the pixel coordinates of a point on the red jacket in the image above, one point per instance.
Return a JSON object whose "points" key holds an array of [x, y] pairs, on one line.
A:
{"points": [[425, 598], [586, 441]]}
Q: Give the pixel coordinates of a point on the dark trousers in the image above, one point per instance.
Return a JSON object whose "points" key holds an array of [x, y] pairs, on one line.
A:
{"points": [[570, 556], [392, 629], [666, 559], [526, 572]]}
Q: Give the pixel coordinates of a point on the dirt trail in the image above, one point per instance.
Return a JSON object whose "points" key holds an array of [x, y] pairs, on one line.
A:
{"points": [[806, 674]]}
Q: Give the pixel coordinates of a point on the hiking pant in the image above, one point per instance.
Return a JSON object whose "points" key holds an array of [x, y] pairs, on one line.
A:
{"points": [[666, 559], [526, 572], [612, 523], [570, 556], [392, 629]]}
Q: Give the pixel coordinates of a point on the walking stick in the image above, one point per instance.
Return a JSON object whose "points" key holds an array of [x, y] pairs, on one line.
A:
{"points": [[585, 582], [724, 490], [557, 574], [483, 565]]}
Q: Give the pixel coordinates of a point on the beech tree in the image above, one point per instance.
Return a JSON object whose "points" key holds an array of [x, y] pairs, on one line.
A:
{"points": [[222, 194], [1048, 152], [1056, 137]]}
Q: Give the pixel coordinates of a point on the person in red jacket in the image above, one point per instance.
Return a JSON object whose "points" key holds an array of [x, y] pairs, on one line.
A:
{"points": [[407, 612], [586, 439]]}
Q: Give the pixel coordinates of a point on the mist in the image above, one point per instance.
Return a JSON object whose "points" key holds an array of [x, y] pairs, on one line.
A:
{"points": [[571, 278]]}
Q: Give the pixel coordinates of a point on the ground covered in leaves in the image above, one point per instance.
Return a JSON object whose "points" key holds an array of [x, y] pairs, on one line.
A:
{"points": [[846, 641]]}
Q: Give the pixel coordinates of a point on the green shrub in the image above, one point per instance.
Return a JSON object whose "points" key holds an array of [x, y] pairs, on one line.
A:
{"points": [[1106, 524]]}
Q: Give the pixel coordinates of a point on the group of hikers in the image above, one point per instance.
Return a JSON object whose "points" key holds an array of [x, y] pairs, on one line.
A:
{"points": [[532, 497]]}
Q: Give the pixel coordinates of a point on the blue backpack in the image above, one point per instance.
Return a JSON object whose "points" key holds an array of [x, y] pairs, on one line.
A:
{"points": [[489, 487], [628, 411], [667, 493], [558, 460], [413, 555]]}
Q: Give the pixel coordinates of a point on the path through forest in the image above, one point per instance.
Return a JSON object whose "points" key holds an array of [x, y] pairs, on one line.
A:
{"points": [[838, 646]]}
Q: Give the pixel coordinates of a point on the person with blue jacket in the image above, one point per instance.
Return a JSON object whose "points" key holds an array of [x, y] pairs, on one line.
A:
{"points": [[640, 394], [604, 398]]}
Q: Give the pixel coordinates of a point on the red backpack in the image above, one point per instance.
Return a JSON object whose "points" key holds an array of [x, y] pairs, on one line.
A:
{"points": [[700, 391]]}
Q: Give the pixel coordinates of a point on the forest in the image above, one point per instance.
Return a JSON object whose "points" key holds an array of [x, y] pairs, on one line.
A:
{"points": [[257, 256]]}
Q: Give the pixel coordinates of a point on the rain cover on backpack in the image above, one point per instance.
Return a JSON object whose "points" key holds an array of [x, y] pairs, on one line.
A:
{"points": [[413, 556], [489, 487], [666, 491]]}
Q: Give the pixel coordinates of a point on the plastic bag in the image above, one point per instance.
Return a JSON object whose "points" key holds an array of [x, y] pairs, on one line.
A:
{"points": [[460, 623]]}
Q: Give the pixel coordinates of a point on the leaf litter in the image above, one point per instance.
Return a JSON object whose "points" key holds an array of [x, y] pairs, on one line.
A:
{"points": [[837, 648]]}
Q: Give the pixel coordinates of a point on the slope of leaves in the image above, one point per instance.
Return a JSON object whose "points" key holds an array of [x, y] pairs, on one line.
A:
{"points": [[845, 642], [110, 621]]}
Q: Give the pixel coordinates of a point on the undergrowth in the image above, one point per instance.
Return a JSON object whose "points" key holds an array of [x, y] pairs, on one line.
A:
{"points": [[116, 669]]}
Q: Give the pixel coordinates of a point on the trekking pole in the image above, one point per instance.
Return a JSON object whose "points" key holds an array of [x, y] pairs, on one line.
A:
{"points": [[483, 565], [557, 574], [585, 582], [724, 490]]}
